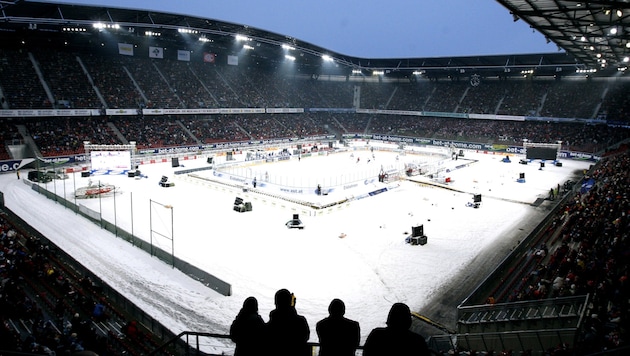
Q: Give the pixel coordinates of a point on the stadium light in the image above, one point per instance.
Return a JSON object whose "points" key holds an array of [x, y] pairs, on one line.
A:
{"points": [[73, 29], [247, 47], [291, 58], [242, 38], [187, 30], [101, 25], [327, 58], [287, 47]]}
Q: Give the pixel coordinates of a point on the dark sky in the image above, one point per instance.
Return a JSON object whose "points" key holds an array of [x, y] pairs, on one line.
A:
{"points": [[370, 28]]}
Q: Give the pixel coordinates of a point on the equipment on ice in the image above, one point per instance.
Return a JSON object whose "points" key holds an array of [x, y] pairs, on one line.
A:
{"points": [[95, 190]]}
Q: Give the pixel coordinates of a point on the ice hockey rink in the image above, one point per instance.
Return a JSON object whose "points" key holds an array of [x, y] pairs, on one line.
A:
{"points": [[353, 245]]}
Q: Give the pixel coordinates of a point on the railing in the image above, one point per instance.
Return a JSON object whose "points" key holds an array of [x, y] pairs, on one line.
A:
{"points": [[210, 344]]}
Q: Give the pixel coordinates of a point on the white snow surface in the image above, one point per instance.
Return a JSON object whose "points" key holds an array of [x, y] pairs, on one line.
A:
{"points": [[355, 251]]}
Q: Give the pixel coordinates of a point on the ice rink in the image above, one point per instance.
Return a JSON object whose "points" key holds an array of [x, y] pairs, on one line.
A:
{"points": [[353, 249]]}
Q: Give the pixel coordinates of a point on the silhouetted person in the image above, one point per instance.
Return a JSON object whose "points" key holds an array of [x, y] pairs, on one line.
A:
{"points": [[338, 335], [288, 331], [396, 338], [248, 330]]}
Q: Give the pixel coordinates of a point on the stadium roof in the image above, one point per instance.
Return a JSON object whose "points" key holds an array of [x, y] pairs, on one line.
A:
{"points": [[581, 29], [596, 33]]}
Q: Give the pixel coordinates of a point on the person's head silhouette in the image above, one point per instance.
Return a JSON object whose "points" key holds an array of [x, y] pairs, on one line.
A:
{"points": [[283, 299], [399, 317], [337, 308], [250, 305]]}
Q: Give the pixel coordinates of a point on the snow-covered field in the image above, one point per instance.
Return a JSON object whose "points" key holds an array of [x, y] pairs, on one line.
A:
{"points": [[355, 250]]}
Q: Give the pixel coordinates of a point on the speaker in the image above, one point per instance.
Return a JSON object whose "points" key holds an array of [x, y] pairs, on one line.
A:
{"points": [[558, 164], [330, 144], [521, 176], [131, 174], [164, 179], [417, 230], [210, 160], [418, 240], [477, 198], [85, 174], [542, 164], [238, 201], [248, 206], [296, 216], [174, 162]]}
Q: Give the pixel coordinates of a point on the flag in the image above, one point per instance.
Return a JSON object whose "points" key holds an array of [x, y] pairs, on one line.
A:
{"points": [[156, 52], [125, 49], [183, 55], [232, 60], [208, 57]]}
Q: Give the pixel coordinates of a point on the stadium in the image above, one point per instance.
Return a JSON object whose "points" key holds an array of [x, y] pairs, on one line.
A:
{"points": [[156, 178]]}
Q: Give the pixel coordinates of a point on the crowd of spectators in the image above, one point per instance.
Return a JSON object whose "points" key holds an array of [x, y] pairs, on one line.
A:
{"points": [[62, 136], [70, 86], [44, 308], [586, 252], [132, 82], [95, 81], [65, 136]]}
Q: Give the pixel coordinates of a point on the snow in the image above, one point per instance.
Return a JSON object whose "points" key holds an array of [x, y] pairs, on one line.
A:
{"points": [[355, 251]]}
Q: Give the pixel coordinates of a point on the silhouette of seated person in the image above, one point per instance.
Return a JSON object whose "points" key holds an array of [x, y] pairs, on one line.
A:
{"points": [[248, 330], [396, 338], [287, 330], [338, 335]]}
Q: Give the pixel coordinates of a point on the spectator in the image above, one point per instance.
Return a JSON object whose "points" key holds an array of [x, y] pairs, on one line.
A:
{"points": [[396, 338], [338, 335], [99, 311], [131, 329], [288, 331], [248, 330]]}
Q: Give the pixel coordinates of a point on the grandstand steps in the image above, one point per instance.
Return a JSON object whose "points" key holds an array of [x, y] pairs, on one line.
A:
{"points": [[521, 316]]}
